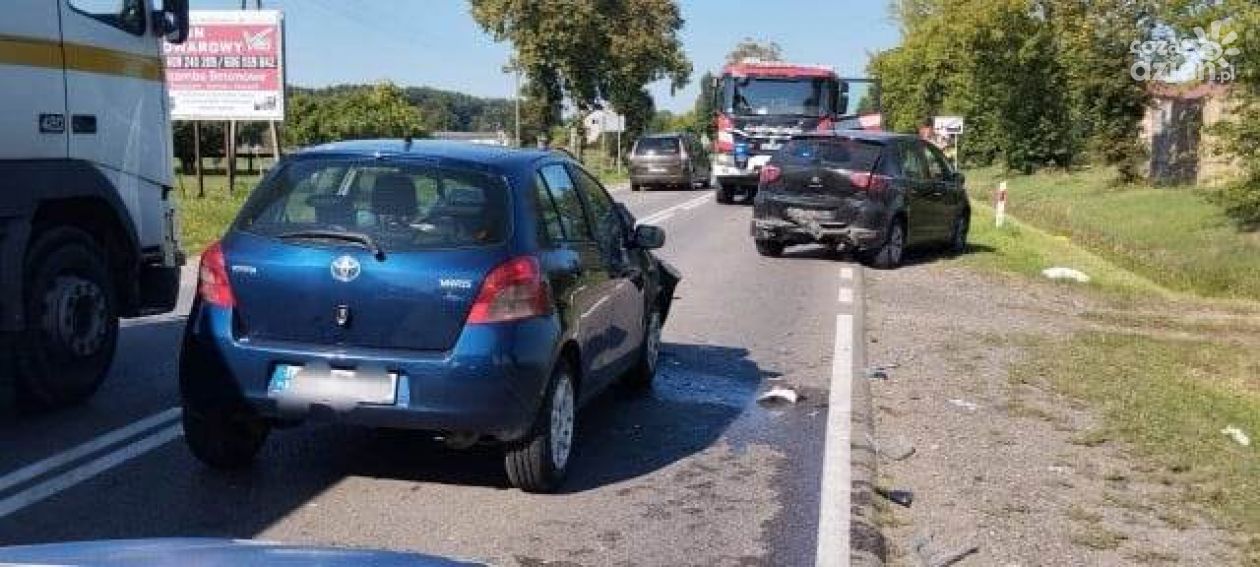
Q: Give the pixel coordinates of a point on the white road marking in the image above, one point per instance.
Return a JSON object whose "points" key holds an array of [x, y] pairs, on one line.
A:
{"points": [[835, 500], [666, 213], [74, 476], [846, 273], [68, 456], [846, 295]]}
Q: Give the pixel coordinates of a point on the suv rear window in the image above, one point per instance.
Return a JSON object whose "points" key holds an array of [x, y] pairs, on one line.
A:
{"points": [[840, 153], [402, 206], [656, 146]]}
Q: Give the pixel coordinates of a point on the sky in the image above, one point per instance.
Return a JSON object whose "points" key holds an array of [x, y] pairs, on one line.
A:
{"points": [[436, 43]]}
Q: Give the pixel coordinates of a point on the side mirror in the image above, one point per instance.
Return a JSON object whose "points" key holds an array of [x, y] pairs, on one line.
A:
{"points": [[171, 22], [649, 237], [959, 178], [842, 99]]}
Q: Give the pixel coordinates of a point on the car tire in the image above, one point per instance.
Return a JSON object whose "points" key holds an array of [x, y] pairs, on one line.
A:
{"points": [[636, 187], [539, 462], [227, 437], [725, 195], [958, 236], [72, 321], [769, 248], [891, 252], [644, 372]]}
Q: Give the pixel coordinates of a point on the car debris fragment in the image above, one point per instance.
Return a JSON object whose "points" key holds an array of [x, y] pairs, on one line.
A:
{"points": [[1238, 435], [779, 395], [1061, 273]]}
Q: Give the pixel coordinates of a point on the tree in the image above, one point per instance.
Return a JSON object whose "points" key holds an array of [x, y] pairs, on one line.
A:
{"points": [[347, 113], [592, 52], [703, 111], [749, 48]]}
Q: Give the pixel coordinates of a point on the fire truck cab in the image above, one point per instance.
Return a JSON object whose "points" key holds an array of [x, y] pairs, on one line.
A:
{"points": [[759, 105]]}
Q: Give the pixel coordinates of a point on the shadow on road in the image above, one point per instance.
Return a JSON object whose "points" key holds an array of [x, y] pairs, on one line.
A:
{"points": [[699, 392]]}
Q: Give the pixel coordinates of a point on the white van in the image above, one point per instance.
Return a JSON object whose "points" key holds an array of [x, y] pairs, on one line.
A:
{"points": [[87, 227]]}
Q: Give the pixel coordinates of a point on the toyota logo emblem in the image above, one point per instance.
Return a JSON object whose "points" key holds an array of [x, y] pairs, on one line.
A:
{"points": [[345, 269]]}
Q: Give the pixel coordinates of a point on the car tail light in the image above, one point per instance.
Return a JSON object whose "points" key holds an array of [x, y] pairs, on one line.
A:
{"points": [[868, 181], [512, 291], [770, 174], [212, 279], [826, 124]]}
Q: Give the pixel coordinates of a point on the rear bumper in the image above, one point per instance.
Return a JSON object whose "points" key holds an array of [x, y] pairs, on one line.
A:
{"points": [[852, 222], [491, 383], [675, 178]]}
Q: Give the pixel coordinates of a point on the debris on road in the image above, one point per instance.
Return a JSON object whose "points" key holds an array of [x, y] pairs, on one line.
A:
{"points": [[921, 544], [879, 372], [898, 448], [964, 404], [1061, 273], [1239, 436], [902, 498], [778, 395]]}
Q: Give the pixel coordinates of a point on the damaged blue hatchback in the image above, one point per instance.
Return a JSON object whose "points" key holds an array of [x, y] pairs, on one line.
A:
{"points": [[475, 292]]}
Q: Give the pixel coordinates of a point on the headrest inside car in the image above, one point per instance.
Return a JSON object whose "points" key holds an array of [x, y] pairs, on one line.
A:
{"points": [[394, 194]]}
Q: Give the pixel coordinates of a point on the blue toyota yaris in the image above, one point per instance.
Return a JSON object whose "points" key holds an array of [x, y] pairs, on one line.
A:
{"points": [[476, 292]]}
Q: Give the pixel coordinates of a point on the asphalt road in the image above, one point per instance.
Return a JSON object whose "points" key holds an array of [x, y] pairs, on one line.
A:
{"points": [[694, 473]]}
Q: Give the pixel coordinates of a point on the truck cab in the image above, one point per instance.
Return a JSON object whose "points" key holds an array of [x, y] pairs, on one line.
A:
{"points": [[87, 227], [760, 105]]}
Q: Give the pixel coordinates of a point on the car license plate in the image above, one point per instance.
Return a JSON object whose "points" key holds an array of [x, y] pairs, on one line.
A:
{"points": [[332, 385], [656, 170], [771, 146], [811, 214]]}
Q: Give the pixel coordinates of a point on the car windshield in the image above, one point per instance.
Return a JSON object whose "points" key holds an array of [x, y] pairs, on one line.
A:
{"points": [[401, 206], [656, 146], [841, 153], [780, 96]]}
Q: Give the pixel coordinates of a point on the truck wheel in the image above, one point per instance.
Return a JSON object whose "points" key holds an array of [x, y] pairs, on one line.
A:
{"points": [[725, 195], [889, 254], [539, 462], [641, 376], [71, 321], [224, 438], [769, 248]]}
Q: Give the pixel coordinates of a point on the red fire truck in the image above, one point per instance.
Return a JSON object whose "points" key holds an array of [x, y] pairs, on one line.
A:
{"points": [[761, 104]]}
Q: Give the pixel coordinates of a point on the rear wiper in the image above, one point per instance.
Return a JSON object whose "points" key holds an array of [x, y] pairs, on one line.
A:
{"points": [[357, 237]]}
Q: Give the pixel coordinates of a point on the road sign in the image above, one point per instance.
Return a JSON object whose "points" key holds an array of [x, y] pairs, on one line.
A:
{"points": [[948, 125], [230, 68]]}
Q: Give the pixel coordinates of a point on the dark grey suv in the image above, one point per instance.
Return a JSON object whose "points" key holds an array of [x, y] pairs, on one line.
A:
{"points": [[872, 193], [668, 160]]}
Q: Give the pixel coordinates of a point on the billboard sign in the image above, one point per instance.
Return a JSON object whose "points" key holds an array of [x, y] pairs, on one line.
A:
{"points": [[948, 125], [230, 68]]}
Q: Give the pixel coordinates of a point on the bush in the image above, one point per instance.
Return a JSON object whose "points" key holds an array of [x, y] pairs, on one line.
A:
{"points": [[1242, 202]]}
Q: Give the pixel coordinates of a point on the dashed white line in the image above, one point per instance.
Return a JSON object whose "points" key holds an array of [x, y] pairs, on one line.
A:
{"points": [[86, 471], [665, 214], [846, 273], [835, 498], [71, 455]]}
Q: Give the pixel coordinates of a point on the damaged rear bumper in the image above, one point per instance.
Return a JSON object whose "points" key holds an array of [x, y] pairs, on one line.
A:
{"points": [[801, 232]]}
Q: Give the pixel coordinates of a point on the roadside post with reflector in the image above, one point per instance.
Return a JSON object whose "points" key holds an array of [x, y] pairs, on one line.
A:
{"points": [[1000, 207]]}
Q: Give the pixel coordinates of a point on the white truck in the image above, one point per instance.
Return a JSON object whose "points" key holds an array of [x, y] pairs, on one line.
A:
{"points": [[87, 227]]}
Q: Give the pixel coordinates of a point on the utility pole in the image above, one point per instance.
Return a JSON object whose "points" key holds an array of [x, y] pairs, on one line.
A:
{"points": [[514, 67]]}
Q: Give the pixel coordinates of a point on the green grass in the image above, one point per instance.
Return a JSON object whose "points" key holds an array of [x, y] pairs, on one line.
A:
{"points": [[1026, 250], [1173, 236], [1169, 399], [203, 220]]}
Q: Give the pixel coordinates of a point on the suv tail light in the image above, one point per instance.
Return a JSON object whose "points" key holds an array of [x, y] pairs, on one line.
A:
{"points": [[212, 278], [770, 174], [868, 181], [512, 291]]}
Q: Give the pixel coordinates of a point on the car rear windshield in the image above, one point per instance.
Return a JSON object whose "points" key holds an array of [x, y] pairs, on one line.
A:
{"points": [[841, 153], [401, 206], [656, 146]]}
